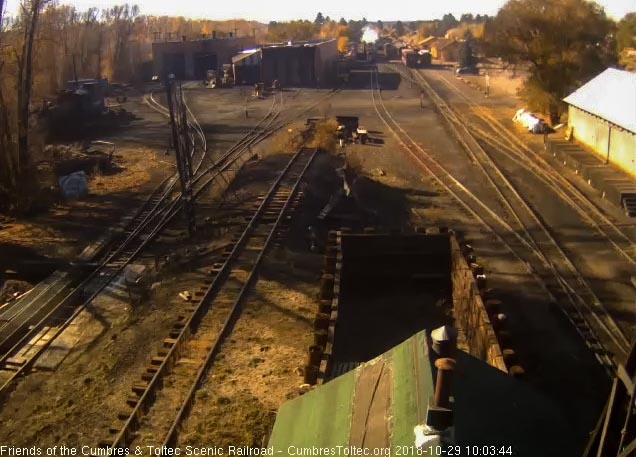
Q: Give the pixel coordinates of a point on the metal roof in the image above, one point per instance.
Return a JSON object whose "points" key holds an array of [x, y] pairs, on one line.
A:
{"points": [[300, 43], [428, 39], [611, 96], [379, 403], [251, 57]]}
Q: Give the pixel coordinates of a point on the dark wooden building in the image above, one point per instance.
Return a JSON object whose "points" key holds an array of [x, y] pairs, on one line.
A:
{"points": [[298, 64], [191, 59]]}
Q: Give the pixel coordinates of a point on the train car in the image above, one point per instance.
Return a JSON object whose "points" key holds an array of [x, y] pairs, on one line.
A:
{"points": [[360, 52], [389, 51], [409, 58], [369, 51]]}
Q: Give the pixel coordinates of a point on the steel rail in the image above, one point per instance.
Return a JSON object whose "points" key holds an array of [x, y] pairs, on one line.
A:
{"points": [[440, 174], [68, 300], [138, 219], [165, 214], [600, 314], [171, 437], [122, 438], [546, 172]]}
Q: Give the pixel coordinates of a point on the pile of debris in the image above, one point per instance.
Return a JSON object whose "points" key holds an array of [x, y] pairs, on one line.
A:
{"points": [[72, 164]]}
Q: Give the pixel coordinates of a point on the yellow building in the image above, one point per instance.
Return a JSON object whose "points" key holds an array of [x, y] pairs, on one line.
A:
{"points": [[602, 116], [427, 42], [445, 50]]}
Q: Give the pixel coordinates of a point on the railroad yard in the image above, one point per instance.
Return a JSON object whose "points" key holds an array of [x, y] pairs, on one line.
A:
{"points": [[171, 338]]}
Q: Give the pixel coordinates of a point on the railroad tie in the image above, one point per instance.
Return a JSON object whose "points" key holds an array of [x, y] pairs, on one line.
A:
{"points": [[179, 325], [146, 376], [131, 401], [151, 370], [14, 363], [254, 248], [114, 429], [139, 388], [157, 361]]}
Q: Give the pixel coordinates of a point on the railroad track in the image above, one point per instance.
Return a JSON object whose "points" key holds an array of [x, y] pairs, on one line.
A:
{"points": [[499, 136], [553, 253], [28, 332], [173, 376], [31, 330], [538, 250], [29, 339]]}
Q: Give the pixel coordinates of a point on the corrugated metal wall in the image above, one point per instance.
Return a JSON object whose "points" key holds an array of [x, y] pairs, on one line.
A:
{"points": [[598, 134], [623, 150]]}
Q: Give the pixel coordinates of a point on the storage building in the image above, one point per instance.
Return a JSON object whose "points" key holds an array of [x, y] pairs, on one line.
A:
{"points": [[191, 59], [299, 64], [602, 116]]}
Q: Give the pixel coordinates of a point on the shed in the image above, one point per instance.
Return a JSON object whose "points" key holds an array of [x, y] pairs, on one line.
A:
{"points": [[378, 405], [449, 52], [191, 59], [302, 64], [427, 42], [247, 66], [602, 116], [445, 50]]}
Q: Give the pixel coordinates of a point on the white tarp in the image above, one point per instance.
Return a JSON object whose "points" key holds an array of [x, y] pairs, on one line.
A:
{"points": [[529, 121], [74, 186]]}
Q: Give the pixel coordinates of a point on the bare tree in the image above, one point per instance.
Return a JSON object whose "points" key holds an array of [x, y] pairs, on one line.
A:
{"points": [[31, 12], [1, 15]]}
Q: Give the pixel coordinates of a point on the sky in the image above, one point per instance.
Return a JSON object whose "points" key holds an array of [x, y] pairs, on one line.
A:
{"points": [[265, 11]]}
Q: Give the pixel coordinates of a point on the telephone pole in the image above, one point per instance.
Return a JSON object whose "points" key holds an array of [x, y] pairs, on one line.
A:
{"points": [[181, 142]]}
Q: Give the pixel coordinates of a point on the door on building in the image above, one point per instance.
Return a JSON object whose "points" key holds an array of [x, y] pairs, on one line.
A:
{"points": [[174, 63], [203, 62]]}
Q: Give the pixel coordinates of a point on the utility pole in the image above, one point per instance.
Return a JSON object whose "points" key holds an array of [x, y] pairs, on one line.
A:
{"points": [[178, 122]]}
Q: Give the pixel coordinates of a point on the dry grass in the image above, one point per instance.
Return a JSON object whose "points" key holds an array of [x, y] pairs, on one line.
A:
{"points": [[257, 368], [288, 139], [138, 168], [324, 136], [292, 137], [32, 234], [247, 424]]}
